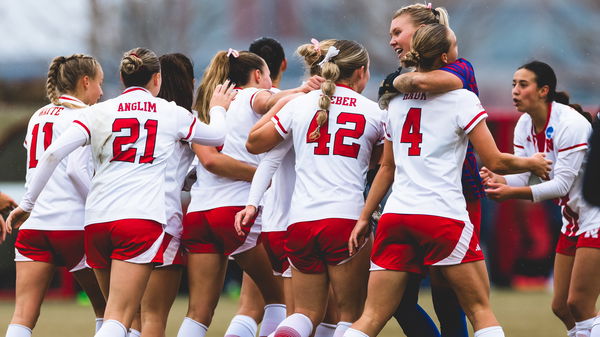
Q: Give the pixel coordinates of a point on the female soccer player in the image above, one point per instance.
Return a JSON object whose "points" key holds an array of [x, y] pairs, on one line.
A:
{"points": [[177, 73], [456, 75], [131, 136], [52, 236], [209, 235], [550, 126], [426, 140], [334, 131]]}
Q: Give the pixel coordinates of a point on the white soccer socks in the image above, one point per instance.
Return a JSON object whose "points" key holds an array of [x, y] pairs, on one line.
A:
{"points": [[296, 325], [354, 333], [274, 314], [325, 330], [596, 328], [99, 322], [341, 329], [583, 328], [18, 330], [493, 331], [191, 328], [134, 333], [112, 328], [241, 326]]}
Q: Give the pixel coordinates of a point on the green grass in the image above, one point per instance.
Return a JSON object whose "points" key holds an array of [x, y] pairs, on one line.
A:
{"points": [[522, 314]]}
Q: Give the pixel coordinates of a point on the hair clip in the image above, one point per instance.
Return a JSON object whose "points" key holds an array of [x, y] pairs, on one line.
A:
{"points": [[429, 5], [316, 44], [233, 52], [134, 54], [331, 53]]}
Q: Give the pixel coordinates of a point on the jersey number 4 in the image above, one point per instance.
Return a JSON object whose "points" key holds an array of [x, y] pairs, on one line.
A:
{"points": [[47, 130], [411, 132], [339, 148], [122, 152]]}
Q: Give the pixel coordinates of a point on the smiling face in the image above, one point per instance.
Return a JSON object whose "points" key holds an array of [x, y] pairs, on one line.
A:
{"points": [[402, 29], [525, 93]]}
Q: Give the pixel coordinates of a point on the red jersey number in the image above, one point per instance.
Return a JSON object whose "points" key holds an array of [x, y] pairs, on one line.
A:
{"points": [[339, 148], [47, 130], [411, 131], [123, 152]]}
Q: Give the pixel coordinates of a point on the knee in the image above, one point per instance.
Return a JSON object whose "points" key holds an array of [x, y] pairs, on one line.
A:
{"points": [[561, 310], [577, 306], [201, 315]]}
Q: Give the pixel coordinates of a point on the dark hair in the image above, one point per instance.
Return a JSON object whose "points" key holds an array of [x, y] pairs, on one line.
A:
{"points": [[137, 67], [271, 51], [544, 75], [177, 79]]}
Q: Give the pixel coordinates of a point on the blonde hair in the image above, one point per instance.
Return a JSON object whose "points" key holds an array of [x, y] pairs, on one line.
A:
{"points": [[421, 15], [428, 43], [312, 56], [351, 56], [65, 72], [223, 67], [137, 67]]}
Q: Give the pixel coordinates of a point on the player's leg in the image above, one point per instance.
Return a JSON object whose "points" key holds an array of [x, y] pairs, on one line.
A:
{"points": [[331, 320], [563, 266], [255, 262], [250, 310], [413, 320], [448, 310], [87, 280], [160, 293], [32, 282], [471, 285], [585, 286], [385, 291]]}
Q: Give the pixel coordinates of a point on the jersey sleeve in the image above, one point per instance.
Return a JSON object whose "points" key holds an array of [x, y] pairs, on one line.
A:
{"points": [[79, 169], [265, 171], [283, 120], [83, 123], [190, 129], [386, 126], [572, 137], [69, 141], [470, 112], [463, 69], [565, 171]]}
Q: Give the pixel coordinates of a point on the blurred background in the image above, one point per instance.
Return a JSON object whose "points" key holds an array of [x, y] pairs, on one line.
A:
{"points": [[496, 36]]}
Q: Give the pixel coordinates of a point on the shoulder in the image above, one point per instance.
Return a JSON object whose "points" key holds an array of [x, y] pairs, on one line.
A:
{"points": [[569, 119]]}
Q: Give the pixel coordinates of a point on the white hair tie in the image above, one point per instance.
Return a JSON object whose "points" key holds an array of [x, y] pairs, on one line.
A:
{"points": [[331, 53]]}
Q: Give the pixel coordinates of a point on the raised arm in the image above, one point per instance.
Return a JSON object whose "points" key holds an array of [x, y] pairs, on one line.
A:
{"points": [[436, 81], [265, 100]]}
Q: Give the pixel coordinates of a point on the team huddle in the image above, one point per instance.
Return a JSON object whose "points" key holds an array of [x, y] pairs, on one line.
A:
{"points": [[276, 182]]}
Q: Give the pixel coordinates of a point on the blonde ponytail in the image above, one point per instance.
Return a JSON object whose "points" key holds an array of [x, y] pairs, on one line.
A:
{"points": [[312, 56], [215, 74]]}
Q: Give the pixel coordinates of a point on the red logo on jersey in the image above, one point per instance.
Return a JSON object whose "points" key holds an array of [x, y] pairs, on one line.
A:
{"points": [[549, 144]]}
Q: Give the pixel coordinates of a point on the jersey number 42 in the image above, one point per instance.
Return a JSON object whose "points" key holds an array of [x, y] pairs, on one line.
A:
{"points": [[339, 148]]}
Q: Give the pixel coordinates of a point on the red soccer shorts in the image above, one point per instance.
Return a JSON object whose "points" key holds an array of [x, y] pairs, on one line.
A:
{"points": [[311, 245], [406, 242], [130, 240], [566, 245], [274, 243], [172, 251], [213, 231], [60, 248], [589, 239], [474, 210]]}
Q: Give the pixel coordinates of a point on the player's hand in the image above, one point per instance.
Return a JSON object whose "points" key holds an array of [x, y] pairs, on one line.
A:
{"points": [[540, 166], [498, 192], [14, 221], [223, 95], [313, 83], [243, 217], [6, 202], [488, 176], [358, 236]]}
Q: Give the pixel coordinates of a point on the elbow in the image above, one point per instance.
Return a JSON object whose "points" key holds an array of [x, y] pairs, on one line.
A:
{"points": [[210, 163], [251, 148]]}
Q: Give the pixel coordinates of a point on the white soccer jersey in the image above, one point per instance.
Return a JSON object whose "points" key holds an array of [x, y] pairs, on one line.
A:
{"points": [[61, 204], [331, 171], [212, 191], [564, 140], [132, 136], [178, 166], [429, 136]]}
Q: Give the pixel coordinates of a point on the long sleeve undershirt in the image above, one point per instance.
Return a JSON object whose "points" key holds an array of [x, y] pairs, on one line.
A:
{"points": [[266, 169]]}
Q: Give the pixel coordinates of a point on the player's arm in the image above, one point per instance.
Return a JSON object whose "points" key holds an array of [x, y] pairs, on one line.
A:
{"points": [[262, 179], [266, 118], [436, 81], [73, 138], [212, 134], [78, 171], [264, 100], [381, 184], [222, 164]]}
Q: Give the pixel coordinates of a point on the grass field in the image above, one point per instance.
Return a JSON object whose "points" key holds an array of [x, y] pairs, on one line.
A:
{"points": [[522, 314]]}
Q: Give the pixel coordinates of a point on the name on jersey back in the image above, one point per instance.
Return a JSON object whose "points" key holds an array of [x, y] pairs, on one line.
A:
{"points": [[137, 106], [52, 111]]}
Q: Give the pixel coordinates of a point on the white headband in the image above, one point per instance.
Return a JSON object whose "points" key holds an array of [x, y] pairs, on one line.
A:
{"points": [[331, 53]]}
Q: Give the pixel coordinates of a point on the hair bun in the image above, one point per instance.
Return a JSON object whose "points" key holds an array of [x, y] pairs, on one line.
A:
{"points": [[411, 59], [132, 63]]}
